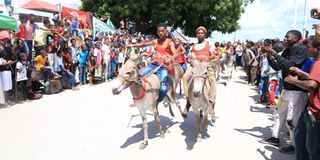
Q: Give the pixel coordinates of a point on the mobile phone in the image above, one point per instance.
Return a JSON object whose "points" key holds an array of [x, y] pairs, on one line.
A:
{"points": [[315, 14]]}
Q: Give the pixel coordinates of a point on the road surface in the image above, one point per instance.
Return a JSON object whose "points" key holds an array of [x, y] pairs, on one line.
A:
{"points": [[93, 124]]}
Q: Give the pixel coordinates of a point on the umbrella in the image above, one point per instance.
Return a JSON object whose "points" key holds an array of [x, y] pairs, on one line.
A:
{"points": [[7, 23]]}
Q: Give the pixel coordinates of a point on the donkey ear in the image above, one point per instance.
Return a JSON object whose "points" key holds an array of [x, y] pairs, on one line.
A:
{"points": [[134, 58], [140, 56]]}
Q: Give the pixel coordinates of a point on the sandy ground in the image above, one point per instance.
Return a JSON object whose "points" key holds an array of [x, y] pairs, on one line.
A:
{"points": [[93, 124]]}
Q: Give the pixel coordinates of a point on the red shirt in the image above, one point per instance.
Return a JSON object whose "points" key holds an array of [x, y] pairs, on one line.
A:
{"points": [[59, 30], [217, 51], [202, 54], [314, 96], [162, 53], [182, 57], [22, 32]]}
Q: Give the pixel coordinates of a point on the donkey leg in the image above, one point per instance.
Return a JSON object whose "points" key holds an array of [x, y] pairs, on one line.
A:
{"points": [[180, 92], [144, 144], [170, 109], [205, 119], [179, 106], [186, 109], [157, 121], [198, 118]]}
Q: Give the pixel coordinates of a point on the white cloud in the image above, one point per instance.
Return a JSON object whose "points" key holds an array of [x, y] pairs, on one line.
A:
{"points": [[270, 18]]}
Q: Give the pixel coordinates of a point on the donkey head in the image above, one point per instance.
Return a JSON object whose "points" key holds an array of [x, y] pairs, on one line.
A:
{"points": [[128, 74], [199, 77]]}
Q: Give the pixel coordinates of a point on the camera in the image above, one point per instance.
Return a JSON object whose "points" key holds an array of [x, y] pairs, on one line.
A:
{"points": [[315, 13]]}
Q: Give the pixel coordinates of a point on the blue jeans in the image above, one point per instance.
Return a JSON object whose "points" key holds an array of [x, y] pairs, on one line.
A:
{"points": [[112, 68], [71, 79], [163, 75], [264, 87], [307, 138], [30, 45], [82, 73], [184, 66]]}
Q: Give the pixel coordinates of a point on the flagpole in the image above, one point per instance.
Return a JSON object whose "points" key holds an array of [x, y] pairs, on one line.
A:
{"points": [[60, 16], [305, 19], [294, 26]]}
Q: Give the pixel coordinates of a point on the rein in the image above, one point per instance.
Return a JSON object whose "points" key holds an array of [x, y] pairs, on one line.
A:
{"points": [[142, 82]]}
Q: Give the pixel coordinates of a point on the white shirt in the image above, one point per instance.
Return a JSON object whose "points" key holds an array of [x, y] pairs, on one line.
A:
{"points": [[264, 66], [239, 50], [21, 72], [59, 63], [74, 53], [106, 49], [121, 57]]}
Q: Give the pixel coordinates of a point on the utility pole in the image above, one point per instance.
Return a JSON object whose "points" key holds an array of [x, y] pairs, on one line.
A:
{"points": [[60, 16], [305, 19], [294, 25]]}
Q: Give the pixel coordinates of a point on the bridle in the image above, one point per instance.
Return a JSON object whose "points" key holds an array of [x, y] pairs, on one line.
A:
{"points": [[141, 82]]}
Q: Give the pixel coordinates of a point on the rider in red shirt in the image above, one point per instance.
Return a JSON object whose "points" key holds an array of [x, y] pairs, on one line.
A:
{"points": [[163, 58], [181, 59]]}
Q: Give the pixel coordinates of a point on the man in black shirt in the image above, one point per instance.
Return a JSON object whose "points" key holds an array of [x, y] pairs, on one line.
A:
{"points": [[293, 98], [6, 70]]}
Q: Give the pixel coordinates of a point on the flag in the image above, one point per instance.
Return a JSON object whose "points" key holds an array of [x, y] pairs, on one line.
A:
{"points": [[100, 27], [110, 24]]}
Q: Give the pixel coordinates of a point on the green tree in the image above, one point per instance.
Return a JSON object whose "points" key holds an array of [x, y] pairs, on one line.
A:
{"points": [[215, 15]]}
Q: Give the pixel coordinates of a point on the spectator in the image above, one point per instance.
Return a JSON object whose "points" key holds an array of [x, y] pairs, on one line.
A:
{"points": [[91, 66], [75, 27], [22, 66], [74, 52], [62, 71], [30, 31], [83, 56], [106, 49], [8, 59], [41, 62], [294, 97], [41, 37], [307, 133], [98, 56]]}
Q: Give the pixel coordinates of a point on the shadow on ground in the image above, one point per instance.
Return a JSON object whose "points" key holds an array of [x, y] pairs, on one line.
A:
{"points": [[153, 131], [275, 154], [258, 132], [188, 126], [261, 109]]}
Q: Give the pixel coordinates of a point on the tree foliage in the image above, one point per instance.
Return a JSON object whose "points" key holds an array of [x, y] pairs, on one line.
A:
{"points": [[215, 15]]}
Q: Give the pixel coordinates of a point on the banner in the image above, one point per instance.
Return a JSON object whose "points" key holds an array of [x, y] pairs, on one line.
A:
{"points": [[100, 27], [83, 17]]}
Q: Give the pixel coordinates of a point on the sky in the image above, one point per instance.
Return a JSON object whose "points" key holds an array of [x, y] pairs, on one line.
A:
{"points": [[270, 19]]}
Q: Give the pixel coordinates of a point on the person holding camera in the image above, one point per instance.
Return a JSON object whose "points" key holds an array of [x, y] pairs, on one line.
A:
{"points": [[307, 133], [293, 97]]}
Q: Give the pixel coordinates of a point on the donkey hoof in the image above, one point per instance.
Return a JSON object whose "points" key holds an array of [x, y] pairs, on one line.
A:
{"points": [[199, 139], [143, 145], [162, 135], [184, 115], [213, 119]]}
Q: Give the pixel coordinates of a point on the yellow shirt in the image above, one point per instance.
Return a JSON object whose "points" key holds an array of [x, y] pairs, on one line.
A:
{"points": [[40, 62], [40, 38]]}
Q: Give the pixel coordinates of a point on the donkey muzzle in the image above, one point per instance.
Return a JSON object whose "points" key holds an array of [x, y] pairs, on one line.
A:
{"points": [[196, 93], [116, 91]]}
